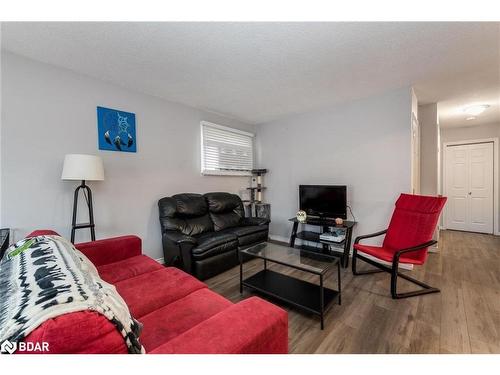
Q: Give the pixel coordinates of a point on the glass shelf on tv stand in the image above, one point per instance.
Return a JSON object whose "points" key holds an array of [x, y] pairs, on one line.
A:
{"points": [[328, 222], [332, 248]]}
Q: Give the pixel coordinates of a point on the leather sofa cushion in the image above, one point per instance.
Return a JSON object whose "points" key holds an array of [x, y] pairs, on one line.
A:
{"points": [[189, 204], [219, 203], [211, 266], [244, 231], [226, 210], [186, 204], [249, 234], [153, 290], [170, 321], [128, 268], [223, 221], [252, 239], [187, 213], [210, 244], [193, 226]]}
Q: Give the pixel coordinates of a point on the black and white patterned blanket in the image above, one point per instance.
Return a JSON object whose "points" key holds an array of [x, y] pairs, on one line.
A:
{"points": [[44, 277]]}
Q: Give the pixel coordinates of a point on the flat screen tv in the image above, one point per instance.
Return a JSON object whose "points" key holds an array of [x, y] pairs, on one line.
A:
{"points": [[327, 201]]}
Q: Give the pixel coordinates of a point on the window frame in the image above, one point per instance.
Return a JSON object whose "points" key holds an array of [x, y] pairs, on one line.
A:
{"points": [[224, 172]]}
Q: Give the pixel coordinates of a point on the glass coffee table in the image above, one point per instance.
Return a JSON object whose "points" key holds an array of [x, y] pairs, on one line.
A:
{"points": [[308, 296]]}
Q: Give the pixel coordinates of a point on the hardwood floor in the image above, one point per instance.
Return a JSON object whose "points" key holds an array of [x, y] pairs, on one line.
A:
{"points": [[463, 318]]}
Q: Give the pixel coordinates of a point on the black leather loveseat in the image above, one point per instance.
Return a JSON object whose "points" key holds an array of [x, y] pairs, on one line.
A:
{"points": [[202, 233]]}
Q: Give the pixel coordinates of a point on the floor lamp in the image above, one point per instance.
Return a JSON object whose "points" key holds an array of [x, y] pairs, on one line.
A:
{"points": [[83, 168]]}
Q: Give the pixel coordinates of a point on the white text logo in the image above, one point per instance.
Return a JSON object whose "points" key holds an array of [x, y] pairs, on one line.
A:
{"points": [[10, 347]]}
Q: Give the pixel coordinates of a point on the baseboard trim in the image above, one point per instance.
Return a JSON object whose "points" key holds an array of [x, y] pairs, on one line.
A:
{"points": [[433, 249], [160, 260], [278, 238]]}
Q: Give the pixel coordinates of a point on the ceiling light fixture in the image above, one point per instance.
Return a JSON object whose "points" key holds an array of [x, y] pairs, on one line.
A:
{"points": [[470, 118], [475, 110]]}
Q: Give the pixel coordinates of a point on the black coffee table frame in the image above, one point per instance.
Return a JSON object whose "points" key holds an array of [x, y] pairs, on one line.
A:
{"points": [[304, 295]]}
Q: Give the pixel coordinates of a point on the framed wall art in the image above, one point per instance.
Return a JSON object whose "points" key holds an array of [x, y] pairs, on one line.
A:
{"points": [[116, 130]]}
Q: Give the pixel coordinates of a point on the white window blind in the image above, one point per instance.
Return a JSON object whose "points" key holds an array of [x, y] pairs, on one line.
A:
{"points": [[225, 151]]}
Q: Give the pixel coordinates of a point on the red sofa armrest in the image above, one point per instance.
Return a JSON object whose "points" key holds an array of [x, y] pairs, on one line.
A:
{"points": [[104, 251], [42, 232], [111, 250], [79, 332], [252, 326]]}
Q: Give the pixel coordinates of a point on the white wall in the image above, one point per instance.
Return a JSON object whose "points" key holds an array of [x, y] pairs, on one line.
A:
{"points": [[429, 137], [364, 144], [429, 153], [49, 112], [469, 133]]}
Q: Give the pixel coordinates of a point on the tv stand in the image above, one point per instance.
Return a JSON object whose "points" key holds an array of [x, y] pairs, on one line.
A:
{"points": [[340, 249]]}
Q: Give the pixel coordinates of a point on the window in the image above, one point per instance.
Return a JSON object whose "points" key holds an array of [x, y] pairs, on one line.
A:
{"points": [[225, 151]]}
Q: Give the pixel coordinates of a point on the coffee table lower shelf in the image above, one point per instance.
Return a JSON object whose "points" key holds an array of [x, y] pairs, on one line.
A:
{"points": [[298, 293]]}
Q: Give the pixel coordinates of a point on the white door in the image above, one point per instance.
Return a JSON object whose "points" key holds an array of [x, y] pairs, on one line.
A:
{"points": [[469, 187]]}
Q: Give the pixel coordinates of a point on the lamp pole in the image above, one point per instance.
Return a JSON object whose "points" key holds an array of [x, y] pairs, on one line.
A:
{"points": [[82, 167], [87, 193]]}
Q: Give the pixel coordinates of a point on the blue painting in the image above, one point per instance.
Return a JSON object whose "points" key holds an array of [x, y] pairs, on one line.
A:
{"points": [[116, 130]]}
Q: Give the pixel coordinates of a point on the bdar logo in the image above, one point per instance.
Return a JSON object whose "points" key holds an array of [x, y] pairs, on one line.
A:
{"points": [[8, 347]]}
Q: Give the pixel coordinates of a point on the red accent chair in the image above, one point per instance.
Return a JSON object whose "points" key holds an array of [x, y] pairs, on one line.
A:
{"points": [[406, 240]]}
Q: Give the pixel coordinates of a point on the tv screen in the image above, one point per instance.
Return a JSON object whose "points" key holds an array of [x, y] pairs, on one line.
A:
{"points": [[323, 200]]}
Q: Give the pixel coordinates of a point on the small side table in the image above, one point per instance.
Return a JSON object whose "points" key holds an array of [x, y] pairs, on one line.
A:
{"points": [[343, 247]]}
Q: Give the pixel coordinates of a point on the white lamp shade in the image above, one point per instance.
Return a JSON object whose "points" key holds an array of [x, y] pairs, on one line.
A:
{"points": [[82, 167]]}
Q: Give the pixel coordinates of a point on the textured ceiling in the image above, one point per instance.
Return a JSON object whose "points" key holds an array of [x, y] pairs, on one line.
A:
{"points": [[257, 72]]}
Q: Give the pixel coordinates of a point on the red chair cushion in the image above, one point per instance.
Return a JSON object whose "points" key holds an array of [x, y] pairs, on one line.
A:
{"points": [[413, 223], [387, 255], [128, 268]]}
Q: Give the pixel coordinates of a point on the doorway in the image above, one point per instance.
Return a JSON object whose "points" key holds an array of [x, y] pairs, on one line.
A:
{"points": [[469, 183]]}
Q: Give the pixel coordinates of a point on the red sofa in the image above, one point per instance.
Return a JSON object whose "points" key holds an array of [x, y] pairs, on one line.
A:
{"points": [[179, 313]]}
